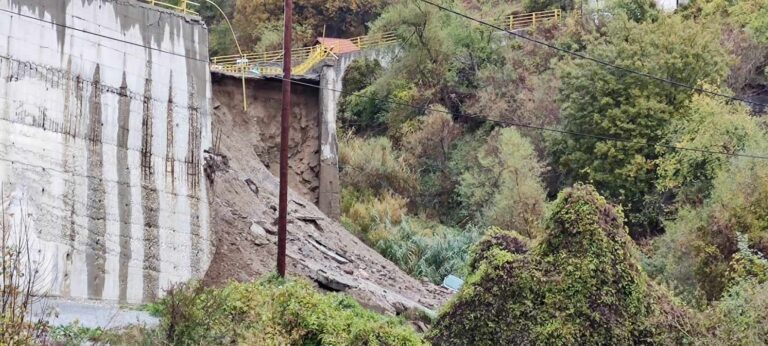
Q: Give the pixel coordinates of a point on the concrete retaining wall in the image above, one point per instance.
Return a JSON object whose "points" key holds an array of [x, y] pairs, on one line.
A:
{"points": [[104, 116]]}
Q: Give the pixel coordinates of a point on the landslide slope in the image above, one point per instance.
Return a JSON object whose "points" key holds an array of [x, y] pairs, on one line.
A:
{"points": [[243, 219]]}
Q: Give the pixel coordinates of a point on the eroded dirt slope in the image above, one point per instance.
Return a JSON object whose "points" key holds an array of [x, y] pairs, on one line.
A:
{"points": [[243, 219]]}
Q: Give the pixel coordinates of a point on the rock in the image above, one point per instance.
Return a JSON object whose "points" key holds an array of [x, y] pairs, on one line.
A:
{"points": [[332, 282], [362, 274], [260, 235], [330, 253], [309, 217]]}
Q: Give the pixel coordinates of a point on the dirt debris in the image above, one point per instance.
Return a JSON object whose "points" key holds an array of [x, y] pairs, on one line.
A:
{"points": [[243, 218]]}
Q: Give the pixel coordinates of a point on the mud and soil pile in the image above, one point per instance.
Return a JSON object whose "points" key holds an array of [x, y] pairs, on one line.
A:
{"points": [[244, 211]]}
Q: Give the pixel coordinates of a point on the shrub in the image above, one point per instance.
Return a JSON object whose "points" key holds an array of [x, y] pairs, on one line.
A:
{"points": [[748, 263], [580, 284], [273, 311], [19, 281], [739, 318], [372, 164], [75, 335], [364, 215]]}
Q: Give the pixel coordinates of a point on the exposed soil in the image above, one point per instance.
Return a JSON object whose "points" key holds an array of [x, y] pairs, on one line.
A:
{"points": [[243, 217], [261, 123]]}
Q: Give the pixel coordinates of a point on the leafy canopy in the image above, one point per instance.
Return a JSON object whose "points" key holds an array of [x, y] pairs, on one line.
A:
{"points": [[601, 101]]}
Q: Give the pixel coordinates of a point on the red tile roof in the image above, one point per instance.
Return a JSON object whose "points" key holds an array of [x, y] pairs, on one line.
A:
{"points": [[338, 45]]}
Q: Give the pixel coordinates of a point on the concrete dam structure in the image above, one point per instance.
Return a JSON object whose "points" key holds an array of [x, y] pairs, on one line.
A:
{"points": [[105, 117]]}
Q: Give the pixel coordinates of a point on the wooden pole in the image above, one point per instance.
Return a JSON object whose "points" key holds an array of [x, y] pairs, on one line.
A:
{"points": [[285, 122]]}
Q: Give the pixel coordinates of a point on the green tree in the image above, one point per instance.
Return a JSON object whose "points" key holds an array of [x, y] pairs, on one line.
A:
{"points": [[441, 55], [600, 101], [753, 16], [502, 186], [710, 124], [427, 151]]}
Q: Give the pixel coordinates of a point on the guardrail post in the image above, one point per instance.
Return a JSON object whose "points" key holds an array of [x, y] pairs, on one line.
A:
{"points": [[534, 18], [512, 22]]}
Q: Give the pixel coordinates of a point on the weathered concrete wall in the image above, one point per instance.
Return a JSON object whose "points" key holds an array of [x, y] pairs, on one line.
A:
{"points": [[104, 116], [262, 121], [331, 83]]}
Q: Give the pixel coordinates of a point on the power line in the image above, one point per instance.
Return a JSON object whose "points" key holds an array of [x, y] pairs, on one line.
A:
{"points": [[601, 62], [533, 127], [102, 36]]}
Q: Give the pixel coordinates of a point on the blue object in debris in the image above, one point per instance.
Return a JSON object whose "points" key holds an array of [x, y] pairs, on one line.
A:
{"points": [[453, 282]]}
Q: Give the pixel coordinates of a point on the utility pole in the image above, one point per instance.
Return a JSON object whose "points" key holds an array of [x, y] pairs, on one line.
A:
{"points": [[285, 123]]}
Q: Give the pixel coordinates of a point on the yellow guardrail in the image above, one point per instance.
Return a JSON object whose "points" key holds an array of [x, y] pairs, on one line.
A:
{"points": [[183, 6], [270, 63], [531, 19]]}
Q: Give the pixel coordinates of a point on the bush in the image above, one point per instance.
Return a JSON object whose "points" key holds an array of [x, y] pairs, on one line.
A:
{"points": [[748, 263], [739, 318], [75, 335], [19, 281], [580, 284], [364, 215], [273, 311], [372, 164]]}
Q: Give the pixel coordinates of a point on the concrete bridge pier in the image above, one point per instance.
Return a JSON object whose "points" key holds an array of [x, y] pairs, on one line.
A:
{"points": [[331, 83]]}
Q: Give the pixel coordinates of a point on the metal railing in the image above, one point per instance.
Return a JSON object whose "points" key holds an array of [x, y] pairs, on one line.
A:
{"points": [[183, 6], [528, 20], [270, 63]]}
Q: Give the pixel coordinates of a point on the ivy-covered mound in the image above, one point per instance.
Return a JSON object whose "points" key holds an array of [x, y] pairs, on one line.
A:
{"points": [[579, 284]]}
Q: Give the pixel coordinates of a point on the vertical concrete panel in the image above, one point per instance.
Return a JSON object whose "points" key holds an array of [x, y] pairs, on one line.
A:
{"points": [[95, 139]]}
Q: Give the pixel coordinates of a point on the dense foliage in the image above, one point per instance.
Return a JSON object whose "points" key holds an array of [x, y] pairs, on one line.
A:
{"points": [[272, 311], [600, 102], [698, 247]]}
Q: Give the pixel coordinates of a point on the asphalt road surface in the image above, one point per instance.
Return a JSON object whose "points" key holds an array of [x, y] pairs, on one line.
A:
{"points": [[89, 314]]}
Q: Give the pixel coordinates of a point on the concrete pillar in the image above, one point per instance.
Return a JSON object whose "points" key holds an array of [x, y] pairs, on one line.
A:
{"points": [[329, 196]]}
